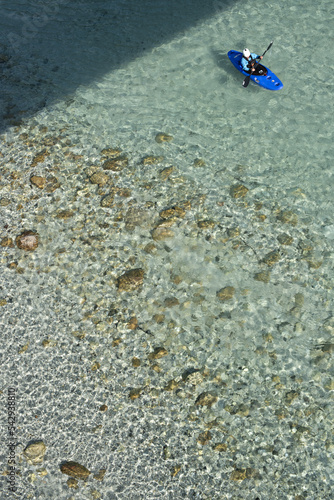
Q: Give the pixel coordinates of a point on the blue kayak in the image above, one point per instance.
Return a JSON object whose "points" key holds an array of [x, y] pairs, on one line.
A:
{"points": [[269, 81]]}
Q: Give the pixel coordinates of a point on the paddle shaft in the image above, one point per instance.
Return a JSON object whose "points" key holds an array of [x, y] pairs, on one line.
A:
{"points": [[247, 79]]}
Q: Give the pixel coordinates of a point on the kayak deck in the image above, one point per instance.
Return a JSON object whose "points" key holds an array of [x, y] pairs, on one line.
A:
{"points": [[269, 81]]}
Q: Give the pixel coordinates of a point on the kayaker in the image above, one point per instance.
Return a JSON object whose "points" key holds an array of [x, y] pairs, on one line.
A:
{"points": [[248, 61]]}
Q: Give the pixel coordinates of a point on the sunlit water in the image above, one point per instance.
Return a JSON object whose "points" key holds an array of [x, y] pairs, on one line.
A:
{"points": [[69, 337]]}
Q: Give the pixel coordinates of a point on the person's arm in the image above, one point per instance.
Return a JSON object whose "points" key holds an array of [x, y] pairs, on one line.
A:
{"points": [[244, 64]]}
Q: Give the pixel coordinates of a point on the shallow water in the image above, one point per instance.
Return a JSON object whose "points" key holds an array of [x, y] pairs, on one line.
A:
{"points": [[81, 79]]}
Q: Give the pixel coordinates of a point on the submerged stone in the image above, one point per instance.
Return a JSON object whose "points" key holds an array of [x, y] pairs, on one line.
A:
{"points": [[285, 239], [28, 240], [226, 293], [262, 276], [34, 452], [75, 470], [7, 242], [288, 217], [38, 181], [271, 258], [152, 160], [130, 280], [99, 178], [206, 399], [172, 212], [238, 191], [159, 352], [115, 164], [162, 137]]}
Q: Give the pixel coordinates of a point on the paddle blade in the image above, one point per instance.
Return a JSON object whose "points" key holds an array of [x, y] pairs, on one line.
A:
{"points": [[246, 81]]}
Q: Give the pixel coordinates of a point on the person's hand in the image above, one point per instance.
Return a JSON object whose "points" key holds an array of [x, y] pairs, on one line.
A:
{"points": [[261, 57]]}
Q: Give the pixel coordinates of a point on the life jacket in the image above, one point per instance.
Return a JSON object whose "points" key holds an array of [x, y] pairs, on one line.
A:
{"points": [[249, 64]]}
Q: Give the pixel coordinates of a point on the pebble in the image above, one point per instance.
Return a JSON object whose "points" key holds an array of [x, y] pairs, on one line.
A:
{"points": [[65, 214], [34, 452], [75, 470], [115, 164], [130, 280], [288, 217], [107, 200], [238, 191], [152, 160], [226, 293], [172, 212], [206, 399], [262, 276], [39, 158], [99, 178], [135, 393], [199, 162], [166, 172], [162, 233], [7, 242], [206, 224], [285, 239], [159, 352], [271, 258], [38, 181], [204, 437], [162, 137], [111, 152], [28, 240]]}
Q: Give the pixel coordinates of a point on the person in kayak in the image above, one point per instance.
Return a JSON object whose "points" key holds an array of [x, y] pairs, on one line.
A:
{"points": [[248, 62]]}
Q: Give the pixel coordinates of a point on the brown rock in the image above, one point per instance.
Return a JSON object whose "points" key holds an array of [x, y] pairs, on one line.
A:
{"points": [[152, 160], [99, 178], [288, 217], [135, 362], [199, 162], [238, 191], [171, 302], [204, 437], [65, 214], [220, 447], [115, 164], [7, 242], [40, 157], [159, 352], [107, 200], [285, 239], [130, 280], [262, 276], [111, 152], [226, 293], [38, 181], [75, 470], [51, 184], [206, 224], [172, 384], [206, 399], [170, 213], [161, 137], [135, 393], [28, 241], [166, 172], [162, 233], [133, 323], [271, 258]]}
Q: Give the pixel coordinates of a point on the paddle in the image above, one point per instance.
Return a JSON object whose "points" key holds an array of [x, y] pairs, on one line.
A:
{"points": [[247, 79]]}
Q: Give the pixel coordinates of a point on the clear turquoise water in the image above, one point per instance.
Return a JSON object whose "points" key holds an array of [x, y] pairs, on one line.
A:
{"points": [[80, 79]]}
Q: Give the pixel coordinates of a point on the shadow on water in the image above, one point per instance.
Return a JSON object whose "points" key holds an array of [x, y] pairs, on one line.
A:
{"points": [[48, 49]]}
